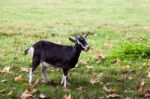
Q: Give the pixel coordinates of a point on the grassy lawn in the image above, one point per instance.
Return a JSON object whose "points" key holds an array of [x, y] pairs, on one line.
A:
{"points": [[115, 26]]}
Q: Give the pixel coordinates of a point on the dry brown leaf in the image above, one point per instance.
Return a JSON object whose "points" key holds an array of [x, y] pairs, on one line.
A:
{"points": [[142, 82], [89, 67], [82, 97], [147, 93], [26, 94], [84, 62], [80, 88], [148, 75], [42, 96], [6, 70], [4, 80], [106, 89], [18, 78], [130, 78], [67, 97], [3, 90], [141, 87], [101, 58], [10, 92], [113, 95], [112, 90], [116, 61], [94, 80], [36, 82], [25, 70], [127, 98]]}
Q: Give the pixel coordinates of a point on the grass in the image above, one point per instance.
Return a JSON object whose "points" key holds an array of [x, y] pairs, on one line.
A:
{"points": [[111, 24]]}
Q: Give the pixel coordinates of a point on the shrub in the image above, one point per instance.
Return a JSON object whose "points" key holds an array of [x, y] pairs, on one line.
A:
{"points": [[131, 50]]}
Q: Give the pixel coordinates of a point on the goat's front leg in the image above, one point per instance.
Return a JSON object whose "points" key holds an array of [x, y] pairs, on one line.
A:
{"points": [[64, 77]]}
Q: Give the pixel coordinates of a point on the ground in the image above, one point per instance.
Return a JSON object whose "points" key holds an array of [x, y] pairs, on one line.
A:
{"points": [[101, 72]]}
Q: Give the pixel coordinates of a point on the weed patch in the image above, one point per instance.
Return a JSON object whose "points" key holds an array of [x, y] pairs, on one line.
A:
{"points": [[131, 50]]}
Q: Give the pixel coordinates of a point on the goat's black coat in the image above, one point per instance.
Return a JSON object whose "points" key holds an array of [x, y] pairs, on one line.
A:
{"points": [[62, 56]]}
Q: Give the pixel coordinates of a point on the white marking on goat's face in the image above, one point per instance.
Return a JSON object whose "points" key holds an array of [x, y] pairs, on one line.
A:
{"points": [[82, 41]]}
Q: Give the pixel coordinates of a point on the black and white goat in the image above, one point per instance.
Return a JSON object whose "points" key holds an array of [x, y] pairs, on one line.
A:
{"points": [[56, 55]]}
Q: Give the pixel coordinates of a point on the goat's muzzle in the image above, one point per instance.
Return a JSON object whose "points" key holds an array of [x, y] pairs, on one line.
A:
{"points": [[86, 48]]}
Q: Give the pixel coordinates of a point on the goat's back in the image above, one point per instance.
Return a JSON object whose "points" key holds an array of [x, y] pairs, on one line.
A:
{"points": [[54, 54]]}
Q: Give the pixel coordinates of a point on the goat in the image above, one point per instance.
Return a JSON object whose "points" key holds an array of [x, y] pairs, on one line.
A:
{"points": [[50, 54]]}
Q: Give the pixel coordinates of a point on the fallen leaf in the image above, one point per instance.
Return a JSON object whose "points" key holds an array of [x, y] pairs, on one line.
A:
{"points": [[100, 75], [84, 62], [3, 80], [3, 90], [106, 89], [116, 61], [113, 95], [42, 96], [94, 80], [36, 82], [148, 75], [147, 93], [127, 98], [26, 94], [101, 58], [6, 91], [80, 88], [25, 70], [6, 70], [141, 86], [10, 92], [82, 97], [142, 82], [113, 90], [67, 97], [89, 67], [130, 78], [18, 78]]}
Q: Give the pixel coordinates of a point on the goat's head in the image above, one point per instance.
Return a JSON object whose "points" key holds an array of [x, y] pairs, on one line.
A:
{"points": [[81, 41]]}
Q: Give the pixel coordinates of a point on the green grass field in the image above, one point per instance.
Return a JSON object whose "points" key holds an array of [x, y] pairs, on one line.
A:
{"points": [[115, 26]]}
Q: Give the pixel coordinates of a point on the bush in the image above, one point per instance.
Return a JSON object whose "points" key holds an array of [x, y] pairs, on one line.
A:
{"points": [[131, 50]]}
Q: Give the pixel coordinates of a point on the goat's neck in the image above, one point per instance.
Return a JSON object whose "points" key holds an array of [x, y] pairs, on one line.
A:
{"points": [[77, 49]]}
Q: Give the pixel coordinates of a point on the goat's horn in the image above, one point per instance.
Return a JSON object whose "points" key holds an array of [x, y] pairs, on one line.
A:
{"points": [[86, 35]]}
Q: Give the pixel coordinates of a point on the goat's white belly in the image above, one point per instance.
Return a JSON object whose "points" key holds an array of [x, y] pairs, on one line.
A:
{"points": [[45, 64]]}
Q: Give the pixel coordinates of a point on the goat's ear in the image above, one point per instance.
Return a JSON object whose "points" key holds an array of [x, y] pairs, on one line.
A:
{"points": [[71, 39]]}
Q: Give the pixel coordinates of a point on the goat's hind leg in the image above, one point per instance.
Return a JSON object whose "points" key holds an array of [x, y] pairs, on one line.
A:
{"points": [[31, 74], [43, 73], [35, 63]]}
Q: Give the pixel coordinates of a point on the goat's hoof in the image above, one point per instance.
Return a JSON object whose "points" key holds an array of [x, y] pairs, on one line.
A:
{"points": [[67, 85], [29, 84]]}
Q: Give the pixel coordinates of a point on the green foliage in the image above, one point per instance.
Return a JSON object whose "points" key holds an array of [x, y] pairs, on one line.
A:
{"points": [[131, 51]]}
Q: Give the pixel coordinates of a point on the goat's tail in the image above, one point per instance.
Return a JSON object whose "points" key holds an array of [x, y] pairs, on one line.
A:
{"points": [[29, 51]]}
